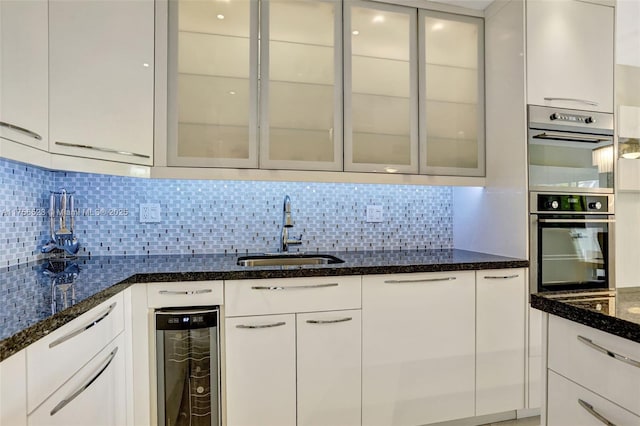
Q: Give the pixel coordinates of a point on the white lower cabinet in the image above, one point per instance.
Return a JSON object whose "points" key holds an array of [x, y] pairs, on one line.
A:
{"points": [[418, 348], [569, 404], [328, 366], [95, 395], [13, 390], [261, 370], [293, 352], [500, 340]]}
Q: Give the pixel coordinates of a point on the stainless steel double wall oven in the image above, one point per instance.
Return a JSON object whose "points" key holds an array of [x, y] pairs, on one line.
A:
{"points": [[571, 204]]}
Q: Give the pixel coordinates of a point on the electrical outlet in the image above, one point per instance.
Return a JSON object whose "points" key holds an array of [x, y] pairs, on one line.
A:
{"points": [[374, 214], [150, 213]]}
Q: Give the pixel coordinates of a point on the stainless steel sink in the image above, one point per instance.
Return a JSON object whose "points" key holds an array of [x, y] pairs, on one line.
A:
{"points": [[288, 260]]}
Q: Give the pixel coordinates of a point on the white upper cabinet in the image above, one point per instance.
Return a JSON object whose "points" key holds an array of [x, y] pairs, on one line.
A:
{"points": [[451, 94], [101, 75], [570, 48], [380, 88], [24, 72], [212, 83], [301, 90]]}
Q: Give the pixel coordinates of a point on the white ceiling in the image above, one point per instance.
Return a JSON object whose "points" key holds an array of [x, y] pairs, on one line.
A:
{"points": [[471, 4]]}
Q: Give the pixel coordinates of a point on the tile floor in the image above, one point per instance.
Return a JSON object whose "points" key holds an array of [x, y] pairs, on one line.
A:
{"points": [[527, 421]]}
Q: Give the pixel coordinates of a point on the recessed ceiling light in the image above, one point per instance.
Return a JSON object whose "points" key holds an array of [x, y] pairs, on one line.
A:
{"points": [[231, 92], [378, 18], [145, 65], [437, 26], [220, 16], [355, 32]]}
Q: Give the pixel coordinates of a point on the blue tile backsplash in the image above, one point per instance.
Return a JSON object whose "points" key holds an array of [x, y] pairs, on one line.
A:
{"points": [[203, 217]]}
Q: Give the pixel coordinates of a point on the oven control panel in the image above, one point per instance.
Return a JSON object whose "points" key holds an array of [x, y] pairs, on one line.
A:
{"points": [[566, 203]]}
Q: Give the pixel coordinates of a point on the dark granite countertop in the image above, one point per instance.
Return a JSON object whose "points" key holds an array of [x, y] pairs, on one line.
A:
{"points": [[37, 298], [618, 314]]}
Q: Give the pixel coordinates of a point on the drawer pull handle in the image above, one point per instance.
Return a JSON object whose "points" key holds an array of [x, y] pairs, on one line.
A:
{"points": [[21, 130], [97, 148], [425, 280], [85, 386], [185, 292], [329, 321], [500, 277], [269, 287], [84, 328], [594, 413], [606, 351], [275, 324], [582, 101]]}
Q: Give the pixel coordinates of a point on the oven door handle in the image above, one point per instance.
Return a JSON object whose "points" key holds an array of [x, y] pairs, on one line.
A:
{"points": [[570, 137], [576, 220]]}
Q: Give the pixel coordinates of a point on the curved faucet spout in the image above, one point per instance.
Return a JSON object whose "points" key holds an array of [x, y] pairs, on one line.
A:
{"points": [[287, 222]]}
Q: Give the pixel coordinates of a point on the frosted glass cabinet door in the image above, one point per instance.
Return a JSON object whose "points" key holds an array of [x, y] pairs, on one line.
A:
{"points": [[451, 94], [301, 85], [380, 88], [212, 83]]}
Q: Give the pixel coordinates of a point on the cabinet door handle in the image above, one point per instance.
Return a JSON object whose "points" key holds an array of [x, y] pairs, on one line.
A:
{"points": [[84, 328], [500, 277], [582, 101], [594, 413], [260, 287], [185, 292], [329, 321], [21, 130], [86, 385], [606, 351], [424, 280], [275, 324], [101, 149]]}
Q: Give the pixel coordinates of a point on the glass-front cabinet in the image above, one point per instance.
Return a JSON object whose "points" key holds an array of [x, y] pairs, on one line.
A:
{"points": [[301, 90], [381, 88], [337, 85], [452, 94], [212, 83]]}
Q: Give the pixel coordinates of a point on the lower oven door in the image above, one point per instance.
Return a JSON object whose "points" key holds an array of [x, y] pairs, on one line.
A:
{"points": [[572, 252]]}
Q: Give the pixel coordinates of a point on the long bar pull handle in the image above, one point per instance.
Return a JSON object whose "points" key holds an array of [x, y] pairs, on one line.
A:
{"points": [[275, 324], [594, 413], [329, 321], [606, 351], [84, 328], [576, 220], [86, 385], [570, 138], [500, 277], [185, 292], [425, 280], [582, 101], [101, 149], [21, 130], [267, 287]]}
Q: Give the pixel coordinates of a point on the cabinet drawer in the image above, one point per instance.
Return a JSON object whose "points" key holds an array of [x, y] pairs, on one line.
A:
{"points": [[52, 360], [571, 404], [272, 296], [576, 358], [197, 293], [94, 396]]}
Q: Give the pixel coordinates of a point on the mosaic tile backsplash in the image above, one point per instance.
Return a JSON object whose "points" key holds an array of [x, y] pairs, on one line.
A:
{"points": [[206, 217]]}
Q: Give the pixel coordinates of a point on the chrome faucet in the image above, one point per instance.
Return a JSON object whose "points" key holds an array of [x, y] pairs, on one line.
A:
{"points": [[287, 223]]}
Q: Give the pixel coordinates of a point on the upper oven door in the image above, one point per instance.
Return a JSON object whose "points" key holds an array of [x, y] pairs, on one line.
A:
{"points": [[570, 150]]}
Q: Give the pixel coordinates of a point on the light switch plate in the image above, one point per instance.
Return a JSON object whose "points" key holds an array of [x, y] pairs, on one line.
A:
{"points": [[150, 213], [374, 214]]}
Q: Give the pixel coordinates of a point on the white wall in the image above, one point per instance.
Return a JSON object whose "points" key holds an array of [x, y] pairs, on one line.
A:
{"points": [[495, 219]]}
